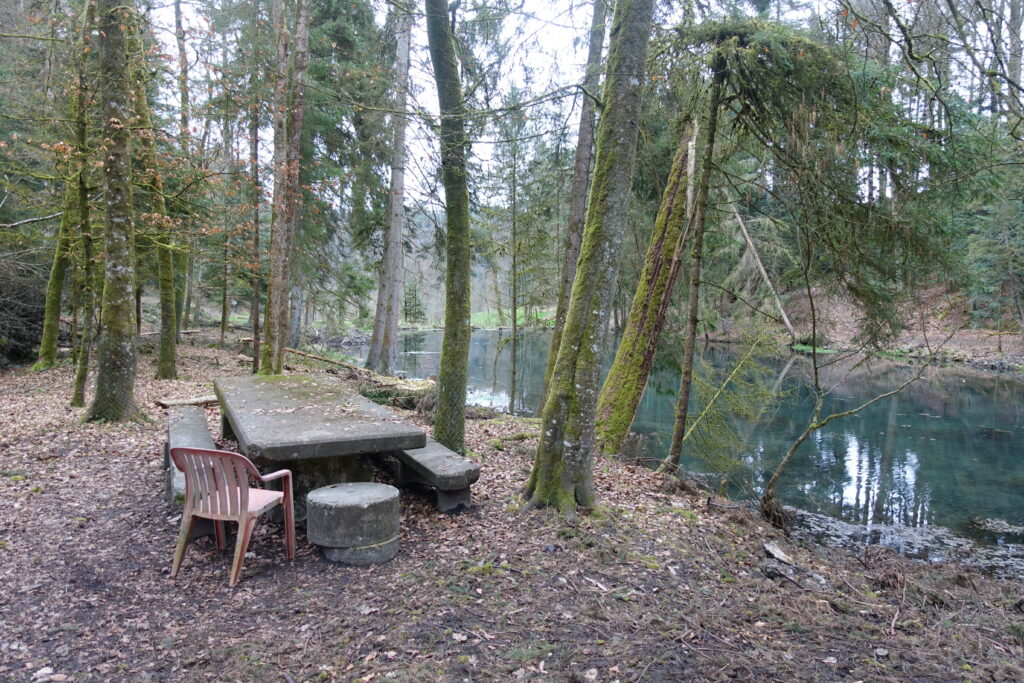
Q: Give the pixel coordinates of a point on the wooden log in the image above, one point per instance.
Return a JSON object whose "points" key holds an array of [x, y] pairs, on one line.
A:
{"points": [[354, 368], [244, 340], [198, 401]]}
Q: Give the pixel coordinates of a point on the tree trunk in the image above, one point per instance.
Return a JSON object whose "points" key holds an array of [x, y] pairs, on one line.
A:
{"points": [[185, 142], [257, 193], [85, 224], [166, 366], [515, 288], [627, 378], [289, 104], [562, 474], [449, 421], [698, 220], [384, 342], [55, 286], [295, 312], [225, 277], [115, 377], [580, 181], [187, 316]]}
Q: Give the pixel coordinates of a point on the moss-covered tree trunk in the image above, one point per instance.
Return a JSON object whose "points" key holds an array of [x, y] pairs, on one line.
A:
{"points": [[89, 280], [562, 468], [627, 378], [384, 341], [449, 421], [580, 181], [88, 301], [693, 306], [115, 378], [150, 178], [55, 285]]}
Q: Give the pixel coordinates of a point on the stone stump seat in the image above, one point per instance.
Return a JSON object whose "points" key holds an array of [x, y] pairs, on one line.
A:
{"points": [[354, 523]]}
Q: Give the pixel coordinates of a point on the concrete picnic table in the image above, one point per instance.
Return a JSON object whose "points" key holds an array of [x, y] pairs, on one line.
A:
{"points": [[320, 429]]}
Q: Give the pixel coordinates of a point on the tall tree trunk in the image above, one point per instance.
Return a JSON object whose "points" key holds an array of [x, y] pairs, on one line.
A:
{"points": [[76, 203], [384, 342], [515, 288], [55, 285], [627, 378], [85, 224], [449, 421], [225, 277], [257, 193], [289, 106], [562, 470], [693, 309], [185, 142], [580, 181], [166, 366], [115, 377]]}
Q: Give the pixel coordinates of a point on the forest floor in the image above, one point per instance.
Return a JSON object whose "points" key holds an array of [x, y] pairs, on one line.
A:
{"points": [[657, 584]]}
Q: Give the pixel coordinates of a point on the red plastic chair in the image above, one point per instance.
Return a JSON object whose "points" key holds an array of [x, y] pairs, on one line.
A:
{"points": [[217, 488]]}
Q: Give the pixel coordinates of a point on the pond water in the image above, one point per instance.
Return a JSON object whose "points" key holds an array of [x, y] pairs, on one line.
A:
{"points": [[944, 451]]}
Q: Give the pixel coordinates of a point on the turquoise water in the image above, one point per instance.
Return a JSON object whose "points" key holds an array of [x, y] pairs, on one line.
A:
{"points": [[945, 450]]}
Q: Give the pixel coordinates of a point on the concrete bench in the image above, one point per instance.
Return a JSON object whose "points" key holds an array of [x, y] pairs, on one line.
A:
{"points": [[447, 472], [354, 523], [186, 428]]}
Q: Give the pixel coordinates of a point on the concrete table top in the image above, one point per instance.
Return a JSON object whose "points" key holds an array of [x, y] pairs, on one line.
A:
{"points": [[288, 418]]}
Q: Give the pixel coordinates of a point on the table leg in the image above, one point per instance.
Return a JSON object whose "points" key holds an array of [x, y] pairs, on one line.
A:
{"points": [[313, 473]]}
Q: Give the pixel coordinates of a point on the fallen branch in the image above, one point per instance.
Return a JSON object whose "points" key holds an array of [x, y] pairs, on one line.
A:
{"points": [[26, 221], [326, 360], [198, 401]]}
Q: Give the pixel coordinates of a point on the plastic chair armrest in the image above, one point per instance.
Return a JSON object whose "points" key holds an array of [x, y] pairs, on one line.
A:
{"points": [[287, 474]]}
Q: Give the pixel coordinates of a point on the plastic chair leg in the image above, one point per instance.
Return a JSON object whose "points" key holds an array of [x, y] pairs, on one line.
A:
{"points": [[188, 523], [289, 528], [244, 532]]}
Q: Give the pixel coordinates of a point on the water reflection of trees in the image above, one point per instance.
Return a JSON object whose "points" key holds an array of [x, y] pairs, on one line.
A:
{"points": [[944, 450]]}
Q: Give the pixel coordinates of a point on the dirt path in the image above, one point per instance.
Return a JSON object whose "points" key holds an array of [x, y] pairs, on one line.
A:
{"points": [[657, 585]]}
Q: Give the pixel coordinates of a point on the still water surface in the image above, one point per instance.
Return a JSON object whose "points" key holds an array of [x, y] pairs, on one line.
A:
{"points": [[945, 450]]}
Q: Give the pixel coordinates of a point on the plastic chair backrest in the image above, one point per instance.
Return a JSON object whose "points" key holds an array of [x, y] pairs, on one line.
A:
{"points": [[216, 482]]}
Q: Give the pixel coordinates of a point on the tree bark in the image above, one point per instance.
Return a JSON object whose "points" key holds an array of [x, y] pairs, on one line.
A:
{"points": [[562, 469], [166, 367], [515, 286], [700, 204], [449, 421], [257, 194], [384, 342], [627, 378], [580, 180], [185, 142], [55, 285], [89, 284], [115, 378], [289, 105]]}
